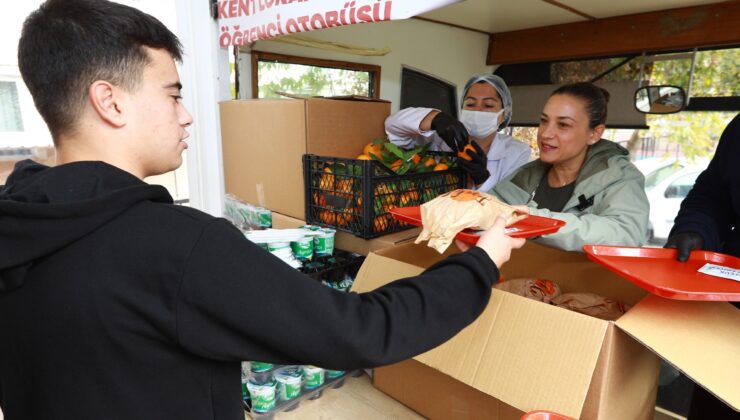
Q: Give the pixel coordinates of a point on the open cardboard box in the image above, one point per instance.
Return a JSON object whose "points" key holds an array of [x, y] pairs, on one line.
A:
{"points": [[522, 355], [264, 140]]}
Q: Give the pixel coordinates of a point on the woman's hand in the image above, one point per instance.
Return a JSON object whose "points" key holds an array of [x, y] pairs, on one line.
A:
{"points": [[477, 166], [451, 130]]}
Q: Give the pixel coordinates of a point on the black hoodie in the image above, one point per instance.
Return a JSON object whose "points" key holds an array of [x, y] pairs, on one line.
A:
{"points": [[115, 303]]}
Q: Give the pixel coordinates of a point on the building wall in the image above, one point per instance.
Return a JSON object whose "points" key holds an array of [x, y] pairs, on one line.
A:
{"points": [[35, 137], [445, 52]]}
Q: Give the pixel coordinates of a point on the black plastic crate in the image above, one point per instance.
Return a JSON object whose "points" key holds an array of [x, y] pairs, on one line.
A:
{"points": [[336, 191], [334, 268], [337, 271]]}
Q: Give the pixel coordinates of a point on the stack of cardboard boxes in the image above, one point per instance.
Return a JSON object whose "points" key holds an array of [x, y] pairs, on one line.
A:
{"points": [[264, 141]]}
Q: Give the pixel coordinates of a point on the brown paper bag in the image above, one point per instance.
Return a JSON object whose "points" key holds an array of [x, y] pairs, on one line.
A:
{"points": [[447, 215]]}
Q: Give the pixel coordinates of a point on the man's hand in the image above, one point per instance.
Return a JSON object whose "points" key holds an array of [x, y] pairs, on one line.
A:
{"points": [[452, 131], [477, 166], [496, 243], [685, 242], [521, 208]]}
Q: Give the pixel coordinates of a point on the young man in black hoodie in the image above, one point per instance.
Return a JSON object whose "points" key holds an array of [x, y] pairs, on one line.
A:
{"points": [[115, 303]]}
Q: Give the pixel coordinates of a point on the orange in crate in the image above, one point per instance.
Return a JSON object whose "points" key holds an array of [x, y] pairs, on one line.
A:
{"points": [[463, 154]]}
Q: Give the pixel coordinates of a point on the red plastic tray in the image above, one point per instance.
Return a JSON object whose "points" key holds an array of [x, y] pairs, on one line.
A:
{"points": [[526, 228], [544, 415], [657, 271]]}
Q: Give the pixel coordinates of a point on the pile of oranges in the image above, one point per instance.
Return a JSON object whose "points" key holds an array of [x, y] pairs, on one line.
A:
{"points": [[402, 161], [337, 185]]}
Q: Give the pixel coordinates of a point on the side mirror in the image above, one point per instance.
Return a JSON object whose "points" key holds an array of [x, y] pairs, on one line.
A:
{"points": [[671, 192], [663, 99]]}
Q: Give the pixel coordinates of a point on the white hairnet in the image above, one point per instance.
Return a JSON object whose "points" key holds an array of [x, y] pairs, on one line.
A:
{"points": [[500, 86]]}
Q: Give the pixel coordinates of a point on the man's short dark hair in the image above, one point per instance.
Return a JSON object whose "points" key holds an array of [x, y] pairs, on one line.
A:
{"points": [[66, 45]]}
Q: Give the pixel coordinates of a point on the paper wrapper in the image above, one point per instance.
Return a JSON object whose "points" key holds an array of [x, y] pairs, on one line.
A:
{"points": [[592, 304], [447, 215], [537, 289]]}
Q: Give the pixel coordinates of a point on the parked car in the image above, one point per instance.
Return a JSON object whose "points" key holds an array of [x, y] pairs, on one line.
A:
{"points": [[667, 182]]}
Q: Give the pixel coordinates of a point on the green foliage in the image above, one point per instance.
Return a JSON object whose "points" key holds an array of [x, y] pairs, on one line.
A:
{"points": [[231, 77], [716, 73], [696, 132], [406, 157], [310, 80]]}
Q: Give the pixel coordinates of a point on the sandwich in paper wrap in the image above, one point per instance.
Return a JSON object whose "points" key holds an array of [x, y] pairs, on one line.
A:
{"points": [[448, 214]]}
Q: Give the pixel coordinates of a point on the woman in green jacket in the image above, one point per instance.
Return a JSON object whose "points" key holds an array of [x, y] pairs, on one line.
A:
{"points": [[580, 178]]}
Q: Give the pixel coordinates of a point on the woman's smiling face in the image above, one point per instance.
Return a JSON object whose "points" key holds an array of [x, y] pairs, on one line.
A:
{"points": [[564, 133]]}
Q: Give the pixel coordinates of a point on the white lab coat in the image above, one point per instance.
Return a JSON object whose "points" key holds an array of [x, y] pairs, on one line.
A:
{"points": [[505, 155]]}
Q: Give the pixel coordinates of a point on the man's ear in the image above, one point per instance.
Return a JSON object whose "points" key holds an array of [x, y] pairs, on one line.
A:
{"points": [[105, 100]]}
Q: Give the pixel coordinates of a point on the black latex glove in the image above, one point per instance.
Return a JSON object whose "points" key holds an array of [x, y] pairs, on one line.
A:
{"points": [[452, 131], [477, 166], [685, 242]]}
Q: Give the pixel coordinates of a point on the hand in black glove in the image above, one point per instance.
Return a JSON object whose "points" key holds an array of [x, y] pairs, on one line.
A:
{"points": [[452, 131], [477, 166], [685, 242]]}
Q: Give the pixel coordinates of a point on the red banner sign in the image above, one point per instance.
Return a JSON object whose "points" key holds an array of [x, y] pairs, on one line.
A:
{"points": [[246, 21]]}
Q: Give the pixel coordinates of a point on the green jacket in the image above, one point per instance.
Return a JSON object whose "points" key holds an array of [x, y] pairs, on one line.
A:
{"points": [[620, 209]]}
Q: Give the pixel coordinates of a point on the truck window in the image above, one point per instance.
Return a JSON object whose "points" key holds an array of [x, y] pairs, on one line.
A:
{"points": [[10, 113], [274, 73]]}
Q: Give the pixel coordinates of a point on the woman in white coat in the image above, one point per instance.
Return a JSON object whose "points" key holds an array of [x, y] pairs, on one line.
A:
{"points": [[486, 109]]}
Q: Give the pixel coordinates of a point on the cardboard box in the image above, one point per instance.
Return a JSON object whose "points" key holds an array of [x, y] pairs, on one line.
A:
{"points": [[281, 221], [436, 395], [522, 355], [350, 242], [264, 140]]}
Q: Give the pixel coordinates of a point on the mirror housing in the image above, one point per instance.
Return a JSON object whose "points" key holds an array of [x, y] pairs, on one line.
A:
{"points": [[676, 191], [660, 99], [671, 192]]}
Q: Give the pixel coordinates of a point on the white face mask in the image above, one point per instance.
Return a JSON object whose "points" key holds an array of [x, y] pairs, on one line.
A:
{"points": [[480, 124]]}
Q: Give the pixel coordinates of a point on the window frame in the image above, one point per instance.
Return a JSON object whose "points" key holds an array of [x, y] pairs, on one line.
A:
{"points": [[16, 106], [258, 56], [538, 73]]}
